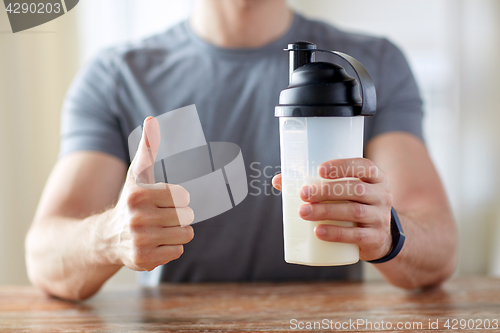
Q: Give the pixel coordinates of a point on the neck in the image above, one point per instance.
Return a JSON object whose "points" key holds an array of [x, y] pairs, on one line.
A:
{"points": [[241, 23]]}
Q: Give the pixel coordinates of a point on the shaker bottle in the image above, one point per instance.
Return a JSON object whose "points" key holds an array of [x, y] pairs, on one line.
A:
{"points": [[321, 116]]}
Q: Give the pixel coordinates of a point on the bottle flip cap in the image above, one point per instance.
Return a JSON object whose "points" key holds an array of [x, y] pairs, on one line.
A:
{"points": [[323, 89]]}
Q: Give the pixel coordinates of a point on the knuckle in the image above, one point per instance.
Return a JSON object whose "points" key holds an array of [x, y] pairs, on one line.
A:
{"points": [[345, 165], [139, 259], [137, 198], [150, 267], [189, 233], [338, 235], [369, 163], [183, 216], [136, 223], [190, 215], [139, 241], [327, 190], [329, 211], [187, 215], [359, 211], [314, 191], [177, 251], [360, 236], [180, 196], [360, 189]]}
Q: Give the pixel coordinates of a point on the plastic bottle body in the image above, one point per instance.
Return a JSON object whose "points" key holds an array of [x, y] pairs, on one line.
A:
{"points": [[306, 142]]}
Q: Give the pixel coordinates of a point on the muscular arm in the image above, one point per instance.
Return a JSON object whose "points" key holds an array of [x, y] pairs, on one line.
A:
{"points": [[429, 255], [62, 253]]}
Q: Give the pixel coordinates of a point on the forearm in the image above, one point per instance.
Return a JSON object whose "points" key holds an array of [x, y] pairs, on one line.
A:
{"points": [[429, 254], [69, 258]]}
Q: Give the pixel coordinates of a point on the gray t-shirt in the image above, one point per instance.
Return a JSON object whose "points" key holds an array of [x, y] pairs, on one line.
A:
{"points": [[235, 92]]}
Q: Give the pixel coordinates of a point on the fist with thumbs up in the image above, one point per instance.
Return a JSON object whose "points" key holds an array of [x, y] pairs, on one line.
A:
{"points": [[150, 222]]}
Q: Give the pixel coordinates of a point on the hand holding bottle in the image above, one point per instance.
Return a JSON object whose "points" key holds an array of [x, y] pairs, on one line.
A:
{"points": [[360, 194]]}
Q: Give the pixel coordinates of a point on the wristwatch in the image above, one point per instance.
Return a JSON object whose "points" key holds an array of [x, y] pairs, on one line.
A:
{"points": [[398, 239]]}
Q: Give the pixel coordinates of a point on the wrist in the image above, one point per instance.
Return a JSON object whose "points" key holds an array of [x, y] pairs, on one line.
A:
{"points": [[398, 239], [105, 238]]}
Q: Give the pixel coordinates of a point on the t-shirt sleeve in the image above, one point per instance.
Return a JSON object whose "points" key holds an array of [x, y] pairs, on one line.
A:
{"points": [[89, 118], [399, 106]]}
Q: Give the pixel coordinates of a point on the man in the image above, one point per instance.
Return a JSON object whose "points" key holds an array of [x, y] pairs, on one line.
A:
{"points": [[228, 60]]}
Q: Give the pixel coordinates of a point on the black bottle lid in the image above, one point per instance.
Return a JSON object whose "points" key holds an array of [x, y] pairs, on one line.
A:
{"points": [[323, 89]]}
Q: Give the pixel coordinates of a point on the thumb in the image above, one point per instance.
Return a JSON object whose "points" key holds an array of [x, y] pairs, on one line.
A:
{"points": [[142, 167]]}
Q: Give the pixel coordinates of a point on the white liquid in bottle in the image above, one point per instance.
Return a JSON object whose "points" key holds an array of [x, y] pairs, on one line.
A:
{"points": [[301, 244], [305, 144]]}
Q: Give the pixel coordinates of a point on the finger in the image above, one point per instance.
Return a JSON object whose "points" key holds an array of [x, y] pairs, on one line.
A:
{"points": [[165, 217], [151, 237], [361, 168], [341, 211], [174, 235], [342, 190], [164, 254], [168, 195], [351, 235], [141, 168], [277, 182], [171, 217]]}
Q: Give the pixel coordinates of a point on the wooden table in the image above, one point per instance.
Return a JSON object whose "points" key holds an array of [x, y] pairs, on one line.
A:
{"points": [[257, 307]]}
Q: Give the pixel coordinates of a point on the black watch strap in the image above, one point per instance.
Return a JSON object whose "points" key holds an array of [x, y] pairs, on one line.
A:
{"points": [[398, 239]]}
